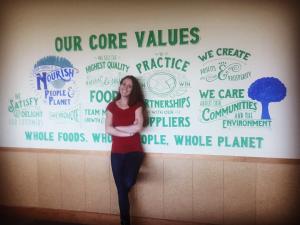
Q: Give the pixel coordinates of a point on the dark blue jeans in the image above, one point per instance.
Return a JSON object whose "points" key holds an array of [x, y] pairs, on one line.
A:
{"points": [[125, 168]]}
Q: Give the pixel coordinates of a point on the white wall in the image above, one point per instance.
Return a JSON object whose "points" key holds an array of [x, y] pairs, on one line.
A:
{"points": [[264, 31]]}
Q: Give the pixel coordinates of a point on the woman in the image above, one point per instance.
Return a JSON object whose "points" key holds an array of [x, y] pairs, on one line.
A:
{"points": [[124, 121]]}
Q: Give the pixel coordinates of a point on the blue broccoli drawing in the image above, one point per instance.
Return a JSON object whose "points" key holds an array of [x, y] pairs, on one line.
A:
{"points": [[266, 90]]}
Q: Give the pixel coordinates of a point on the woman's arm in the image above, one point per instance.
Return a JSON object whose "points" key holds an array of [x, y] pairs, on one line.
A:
{"points": [[137, 126], [112, 130]]}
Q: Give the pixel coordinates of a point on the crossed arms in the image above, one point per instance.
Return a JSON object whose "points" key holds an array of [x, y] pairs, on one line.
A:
{"points": [[124, 131]]}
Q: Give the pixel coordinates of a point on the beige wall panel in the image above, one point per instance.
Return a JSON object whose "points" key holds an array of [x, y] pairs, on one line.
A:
{"points": [[49, 180], [5, 178], [18, 177], [97, 183], [208, 191], [278, 194], [148, 191], [286, 175], [239, 193], [73, 182], [178, 189]]}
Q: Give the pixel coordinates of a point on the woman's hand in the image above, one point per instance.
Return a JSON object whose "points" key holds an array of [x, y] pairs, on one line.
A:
{"points": [[137, 125], [112, 130]]}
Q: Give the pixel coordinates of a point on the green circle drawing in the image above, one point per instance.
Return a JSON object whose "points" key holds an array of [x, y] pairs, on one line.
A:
{"points": [[161, 83]]}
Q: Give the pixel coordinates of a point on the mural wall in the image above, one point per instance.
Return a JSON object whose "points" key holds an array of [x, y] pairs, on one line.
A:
{"points": [[219, 79]]}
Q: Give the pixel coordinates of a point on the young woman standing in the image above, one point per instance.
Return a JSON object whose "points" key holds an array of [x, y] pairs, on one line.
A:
{"points": [[124, 121]]}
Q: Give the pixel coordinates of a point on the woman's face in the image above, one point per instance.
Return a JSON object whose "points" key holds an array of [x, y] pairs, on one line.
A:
{"points": [[126, 87]]}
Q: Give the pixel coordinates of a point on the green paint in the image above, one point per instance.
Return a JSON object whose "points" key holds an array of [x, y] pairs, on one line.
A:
{"points": [[39, 136], [167, 104], [115, 65], [163, 62], [101, 138], [112, 65], [237, 53], [193, 140], [151, 39], [241, 54], [161, 41], [96, 116], [184, 35], [238, 77], [223, 93], [102, 96], [68, 43], [169, 121], [108, 41], [246, 123], [154, 139], [139, 36], [208, 69], [240, 142], [207, 93], [94, 67], [28, 114], [215, 114], [103, 80], [171, 37], [207, 55], [94, 112], [231, 93], [195, 38], [71, 137], [22, 103], [92, 39]]}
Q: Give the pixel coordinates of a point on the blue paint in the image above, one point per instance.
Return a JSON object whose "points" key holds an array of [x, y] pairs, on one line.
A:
{"points": [[55, 61], [267, 90], [58, 72]]}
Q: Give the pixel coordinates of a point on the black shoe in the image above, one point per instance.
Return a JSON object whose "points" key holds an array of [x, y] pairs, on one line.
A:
{"points": [[125, 223]]}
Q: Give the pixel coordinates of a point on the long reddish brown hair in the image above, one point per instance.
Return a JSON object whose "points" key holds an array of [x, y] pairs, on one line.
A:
{"points": [[136, 96]]}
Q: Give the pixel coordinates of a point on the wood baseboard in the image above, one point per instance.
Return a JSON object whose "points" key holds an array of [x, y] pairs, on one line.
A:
{"points": [[294, 161], [86, 218], [58, 215]]}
